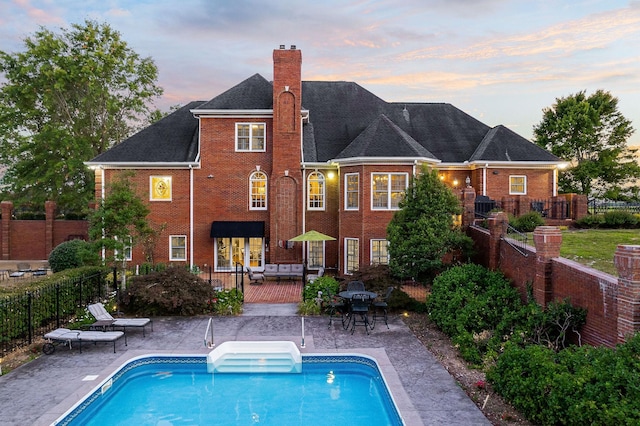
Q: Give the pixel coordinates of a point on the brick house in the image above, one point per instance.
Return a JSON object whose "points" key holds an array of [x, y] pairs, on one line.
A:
{"points": [[235, 177]]}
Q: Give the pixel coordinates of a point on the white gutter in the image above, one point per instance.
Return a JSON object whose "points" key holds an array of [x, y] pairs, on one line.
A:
{"points": [[384, 160], [145, 165]]}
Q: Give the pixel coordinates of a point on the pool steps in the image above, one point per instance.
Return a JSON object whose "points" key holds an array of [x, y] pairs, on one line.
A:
{"points": [[255, 357]]}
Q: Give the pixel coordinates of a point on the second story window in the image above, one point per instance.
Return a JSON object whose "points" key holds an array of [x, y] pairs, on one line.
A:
{"points": [[258, 191], [250, 136], [315, 191], [351, 191], [517, 185], [387, 190]]}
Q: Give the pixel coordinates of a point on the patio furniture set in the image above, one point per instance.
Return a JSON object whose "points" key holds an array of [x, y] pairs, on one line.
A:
{"points": [[106, 329], [359, 307]]}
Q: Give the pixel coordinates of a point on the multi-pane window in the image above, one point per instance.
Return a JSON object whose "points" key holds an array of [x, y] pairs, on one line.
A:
{"points": [[258, 191], [316, 254], [250, 136], [387, 190], [379, 252], [315, 191], [518, 185], [351, 191], [351, 255], [178, 247]]}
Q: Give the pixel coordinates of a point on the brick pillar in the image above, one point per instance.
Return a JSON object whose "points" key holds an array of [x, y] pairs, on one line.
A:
{"points": [[468, 206], [579, 206], [548, 240], [7, 209], [627, 261], [497, 224], [50, 210], [508, 205]]}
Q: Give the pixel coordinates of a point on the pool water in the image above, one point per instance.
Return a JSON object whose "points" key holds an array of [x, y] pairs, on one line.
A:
{"points": [[164, 391]]}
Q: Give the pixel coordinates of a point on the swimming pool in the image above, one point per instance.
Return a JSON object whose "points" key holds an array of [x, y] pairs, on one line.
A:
{"points": [[178, 390]]}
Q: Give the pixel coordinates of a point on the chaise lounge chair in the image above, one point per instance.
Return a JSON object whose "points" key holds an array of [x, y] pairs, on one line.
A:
{"points": [[66, 337], [104, 319]]}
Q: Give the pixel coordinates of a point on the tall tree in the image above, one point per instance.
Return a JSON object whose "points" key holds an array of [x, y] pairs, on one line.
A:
{"points": [[422, 231], [591, 134], [67, 98]]}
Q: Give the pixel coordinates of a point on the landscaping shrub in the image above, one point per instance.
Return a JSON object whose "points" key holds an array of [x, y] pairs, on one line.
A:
{"points": [[576, 386], [174, 291], [527, 222], [590, 221], [620, 219], [327, 285], [71, 254], [467, 303], [226, 302]]}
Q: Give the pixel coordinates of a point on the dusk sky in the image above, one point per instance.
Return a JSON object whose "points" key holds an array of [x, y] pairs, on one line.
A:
{"points": [[501, 61]]}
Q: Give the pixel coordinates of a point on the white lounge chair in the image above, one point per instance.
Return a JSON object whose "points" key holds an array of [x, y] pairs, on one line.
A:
{"points": [[66, 336], [104, 319]]}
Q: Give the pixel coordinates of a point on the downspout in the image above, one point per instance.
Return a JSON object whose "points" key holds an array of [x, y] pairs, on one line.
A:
{"points": [[304, 211], [555, 182], [484, 180], [191, 216]]}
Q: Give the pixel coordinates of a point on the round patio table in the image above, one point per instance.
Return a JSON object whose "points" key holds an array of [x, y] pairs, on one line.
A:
{"points": [[348, 296]]}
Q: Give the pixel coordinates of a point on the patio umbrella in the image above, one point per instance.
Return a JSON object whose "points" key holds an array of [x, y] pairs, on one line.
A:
{"points": [[310, 236]]}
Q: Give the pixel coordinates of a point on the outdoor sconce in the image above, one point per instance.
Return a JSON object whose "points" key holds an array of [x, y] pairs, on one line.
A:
{"points": [[210, 177], [441, 177], [455, 183], [331, 175], [468, 181]]}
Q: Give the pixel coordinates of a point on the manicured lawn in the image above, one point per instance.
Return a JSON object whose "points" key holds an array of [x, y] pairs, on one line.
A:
{"points": [[596, 247]]}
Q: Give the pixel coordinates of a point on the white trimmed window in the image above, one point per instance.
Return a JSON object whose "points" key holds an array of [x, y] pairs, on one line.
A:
{"points": [[315, 191], [250, 136], [127, 250], [351, 191], [177, 247], [379, 252], [258, 191], [351, 255], [517, 185], [387, 190]]}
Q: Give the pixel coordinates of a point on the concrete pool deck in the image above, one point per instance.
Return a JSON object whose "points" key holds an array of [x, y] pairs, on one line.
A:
{"points": [[39, 392]]}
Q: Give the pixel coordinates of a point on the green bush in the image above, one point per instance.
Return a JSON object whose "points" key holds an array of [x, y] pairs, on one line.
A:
{"points": [[469, 303], [71, 254], [327, 285], [174, 291], [527, 222], [226, 302], [620, 219], [590, 221], [576, 386]]}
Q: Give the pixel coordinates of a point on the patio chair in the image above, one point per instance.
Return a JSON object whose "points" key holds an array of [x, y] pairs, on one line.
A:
{"points": [[360, 304], [336, 306], [312, 277], [104, 319], [380, 308], [255, 278], [355, 286], [66, 337]]}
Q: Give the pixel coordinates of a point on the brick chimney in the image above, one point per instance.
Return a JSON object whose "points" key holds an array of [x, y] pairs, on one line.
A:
{"points": [[287, 180]]}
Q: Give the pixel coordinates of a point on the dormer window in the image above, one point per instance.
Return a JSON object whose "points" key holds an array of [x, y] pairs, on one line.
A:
{"points": [[250, 137]]}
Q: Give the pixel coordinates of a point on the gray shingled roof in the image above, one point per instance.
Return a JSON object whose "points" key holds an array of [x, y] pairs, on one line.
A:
{"points": [[173, 139], [345, 121], [384, 139]]}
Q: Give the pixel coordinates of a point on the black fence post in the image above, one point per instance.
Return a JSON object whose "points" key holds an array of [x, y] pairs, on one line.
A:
{"points": [[57, 305], [30, 316]]}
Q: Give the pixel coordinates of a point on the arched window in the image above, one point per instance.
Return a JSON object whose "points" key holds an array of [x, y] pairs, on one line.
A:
{"points": [[315, 191], [258, 191]]}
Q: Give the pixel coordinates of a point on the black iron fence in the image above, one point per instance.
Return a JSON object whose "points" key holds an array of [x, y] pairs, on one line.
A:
{"points": [[555, 208], [604, 206], [27, 316]]}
